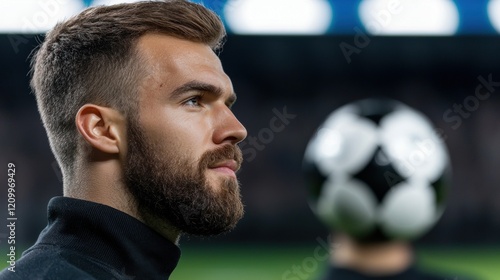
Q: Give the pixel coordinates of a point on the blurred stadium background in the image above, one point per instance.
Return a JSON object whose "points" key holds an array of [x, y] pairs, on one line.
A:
{"points": [[305, 58]]}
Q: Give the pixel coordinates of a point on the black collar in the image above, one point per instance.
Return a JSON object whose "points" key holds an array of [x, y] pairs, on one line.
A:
{"points": [[110, 236]]}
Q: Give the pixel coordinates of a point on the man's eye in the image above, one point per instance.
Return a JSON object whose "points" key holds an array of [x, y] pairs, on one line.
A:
{"points": [[193, 101]]}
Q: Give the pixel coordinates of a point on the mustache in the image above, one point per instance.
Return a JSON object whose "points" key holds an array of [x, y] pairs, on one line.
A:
{"points": [[227, 152]]}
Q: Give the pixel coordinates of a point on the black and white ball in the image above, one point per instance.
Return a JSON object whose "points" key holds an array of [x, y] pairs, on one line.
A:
{"points": [[377, 170]]}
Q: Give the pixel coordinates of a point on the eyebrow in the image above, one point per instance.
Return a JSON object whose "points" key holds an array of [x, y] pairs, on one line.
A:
{"points": [[204, 87]]}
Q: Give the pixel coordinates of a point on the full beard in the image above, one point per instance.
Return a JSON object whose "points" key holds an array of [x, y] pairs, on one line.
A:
{"points": [[170, 188]]}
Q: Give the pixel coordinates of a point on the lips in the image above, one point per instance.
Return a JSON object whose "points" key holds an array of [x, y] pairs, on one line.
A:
{"points": [[228, 166], [225, 160]]}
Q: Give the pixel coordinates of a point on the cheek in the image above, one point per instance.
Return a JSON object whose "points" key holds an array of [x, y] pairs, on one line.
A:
{"points": [[180, 143], [178, 131], [192, 132]]}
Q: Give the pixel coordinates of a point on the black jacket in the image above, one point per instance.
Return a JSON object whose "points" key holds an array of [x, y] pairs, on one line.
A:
{"points": [[87, 240]]}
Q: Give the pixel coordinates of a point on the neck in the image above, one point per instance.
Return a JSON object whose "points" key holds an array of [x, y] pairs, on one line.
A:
{"points": [[102, 188], [162, 227], [374, 259]]}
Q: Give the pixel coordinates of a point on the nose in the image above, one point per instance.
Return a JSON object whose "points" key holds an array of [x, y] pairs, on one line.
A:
{"points": [[228, 128]]}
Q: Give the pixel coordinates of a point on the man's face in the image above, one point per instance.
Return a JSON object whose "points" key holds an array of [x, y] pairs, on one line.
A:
{"points": [[182, 155]]}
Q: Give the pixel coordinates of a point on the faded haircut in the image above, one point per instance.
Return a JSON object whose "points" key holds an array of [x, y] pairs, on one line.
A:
{"points": [[92, 58]]}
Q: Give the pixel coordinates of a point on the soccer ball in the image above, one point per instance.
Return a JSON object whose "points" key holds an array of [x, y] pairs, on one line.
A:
{"points": [[377, 170]]}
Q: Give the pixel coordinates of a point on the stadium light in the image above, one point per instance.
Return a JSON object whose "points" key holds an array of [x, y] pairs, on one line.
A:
{"points": [[409, 17], [494, 13], [278, 16], [35, 16]]}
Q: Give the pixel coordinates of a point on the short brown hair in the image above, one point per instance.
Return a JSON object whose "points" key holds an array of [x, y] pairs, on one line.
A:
{"points": [[91, 58]]}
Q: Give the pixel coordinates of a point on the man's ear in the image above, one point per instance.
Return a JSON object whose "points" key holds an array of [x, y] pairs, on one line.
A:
{"points": [[102, 127]]}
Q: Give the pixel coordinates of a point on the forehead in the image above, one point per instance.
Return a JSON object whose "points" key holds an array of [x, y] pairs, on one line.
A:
{"points": [[174, 60]]}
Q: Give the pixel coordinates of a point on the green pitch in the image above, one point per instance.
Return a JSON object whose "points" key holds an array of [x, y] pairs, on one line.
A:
{"points": [[308, 262], [264, 263], [483, 263]]}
